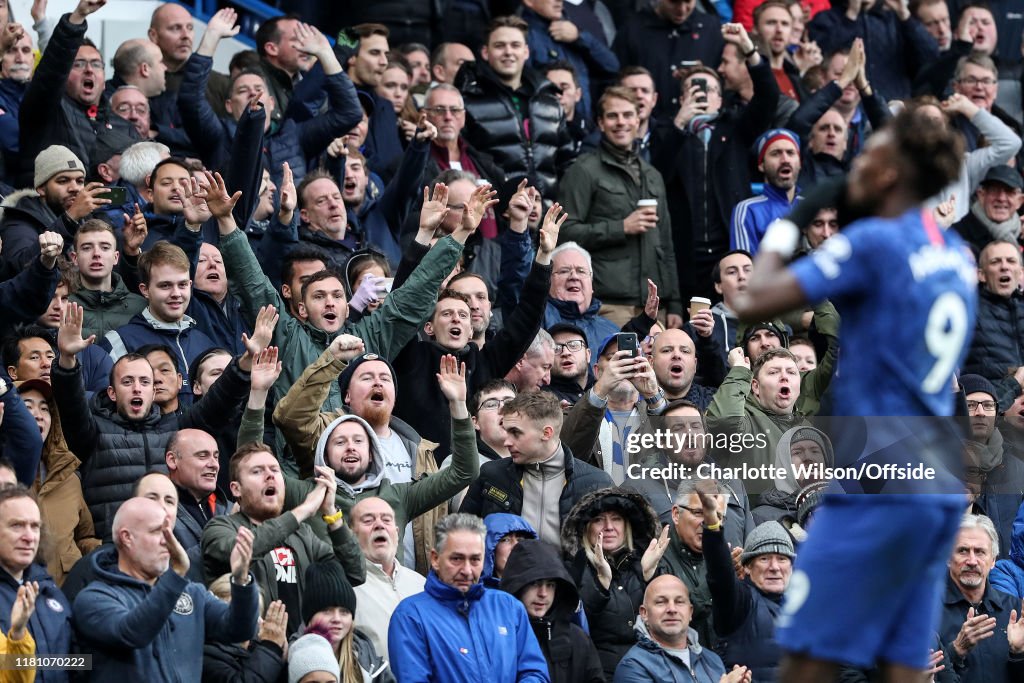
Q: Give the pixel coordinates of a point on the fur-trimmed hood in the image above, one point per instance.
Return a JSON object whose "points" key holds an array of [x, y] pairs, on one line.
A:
{"points": [[642, 518]]}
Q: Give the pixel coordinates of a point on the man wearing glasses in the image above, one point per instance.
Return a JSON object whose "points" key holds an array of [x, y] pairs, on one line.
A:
{"points": [[990, 461], [570, 374]]}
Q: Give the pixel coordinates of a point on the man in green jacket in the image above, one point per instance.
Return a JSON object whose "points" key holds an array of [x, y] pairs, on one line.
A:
{"points": [[351, 448], [323, 298], [107, 302], [628, 242], [283, 547]]}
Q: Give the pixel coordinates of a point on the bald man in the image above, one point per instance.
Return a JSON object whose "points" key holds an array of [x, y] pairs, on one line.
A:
{"points": [[666, 613], [674, 359], [139, 62], [141, 619], [193, 463]]}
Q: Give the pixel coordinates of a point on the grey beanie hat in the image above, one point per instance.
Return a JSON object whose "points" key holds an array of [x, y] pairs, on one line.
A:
{"points": [[53, 160], [312, 652], [769, 537]]}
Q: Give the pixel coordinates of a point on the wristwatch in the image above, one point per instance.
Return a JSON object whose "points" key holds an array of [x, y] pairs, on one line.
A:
{"points": [[657, 398]]}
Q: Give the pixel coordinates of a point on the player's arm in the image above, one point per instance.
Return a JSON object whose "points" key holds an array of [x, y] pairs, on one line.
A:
{"points": [[772, 289]]}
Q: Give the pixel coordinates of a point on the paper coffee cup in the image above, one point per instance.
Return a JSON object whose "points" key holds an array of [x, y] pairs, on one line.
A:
{"points": [[647, 203], [697, 304]]}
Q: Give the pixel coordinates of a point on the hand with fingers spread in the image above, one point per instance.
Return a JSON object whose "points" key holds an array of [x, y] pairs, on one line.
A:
{"points": [[482, 199], [241, 557], [193, 199], [274, 627], [310, 41], [51, 244], [89, 199], [288, 196], [219, 200], [652, 556], [548, 236], [134, 233], [69, 335], [935, 664], [263, 331], [435, 208], [346, 347], [266, 368], [976, 628], [179, 558], [223, 24], [22, 609], [452, 381]]}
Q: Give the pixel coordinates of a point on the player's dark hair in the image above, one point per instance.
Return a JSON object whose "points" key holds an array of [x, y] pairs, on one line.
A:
{"points": [[930, 157]]}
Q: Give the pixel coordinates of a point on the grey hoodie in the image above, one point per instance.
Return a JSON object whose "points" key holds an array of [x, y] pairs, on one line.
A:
{"points": [[375, 471]]}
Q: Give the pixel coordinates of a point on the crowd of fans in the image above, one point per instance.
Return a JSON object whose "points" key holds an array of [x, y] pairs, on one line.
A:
{"points": [[331, 368]]}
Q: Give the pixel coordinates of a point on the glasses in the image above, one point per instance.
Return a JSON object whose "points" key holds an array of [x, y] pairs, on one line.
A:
{"points": [[94, 64], [140, 109], [566, 272], [572, 345], [494, 403], [441, 111], [987, 406], [696, 512], [971, 80]]}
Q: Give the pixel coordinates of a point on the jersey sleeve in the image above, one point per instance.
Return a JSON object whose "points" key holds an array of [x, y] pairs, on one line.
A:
{"points": [[844, 264]]}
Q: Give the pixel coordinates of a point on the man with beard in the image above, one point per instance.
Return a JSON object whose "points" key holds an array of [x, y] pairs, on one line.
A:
{"points": [[993, 214], [283, 546], [685, 422], [368, 387], [450, 331], [474, 286], [64, 103], [757, 399], [60, 200], [772, 26], [992, 460], [778, 158], [387, 581], [570, 373], [983, 627]]}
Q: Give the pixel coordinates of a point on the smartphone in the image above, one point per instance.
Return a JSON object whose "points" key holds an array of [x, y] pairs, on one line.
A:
{"points": [[388, 283], [702, 84], [117, 195], [627, 341]]}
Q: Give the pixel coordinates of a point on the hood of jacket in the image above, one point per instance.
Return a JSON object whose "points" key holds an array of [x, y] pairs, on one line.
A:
{"points": [[29, 204], [536, 560], [375, 470], [644, 640], [104, 564], [631, 504], [499, 525], [784, 458]]}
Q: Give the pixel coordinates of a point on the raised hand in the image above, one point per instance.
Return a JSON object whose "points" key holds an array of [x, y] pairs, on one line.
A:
{"points": [[807, 55], [23, 607], [435, 207], [223, 24], [368, 294], [50, 246], [520, 206], [643, 377], [738, 36], [738, 357], [703, 322], [69, 335], [1015, 631], [179, 558], [289, 198], [945, 212], [338, 147], [976, 628], [854, 63], [549, 230], [346, 347], [193, 199], [600, 562], [10, 35], [38, 11], [310, 41], [274, 626], [92, 197], [135, 231], [482, 199], [958, 104], [266, 368], [709, 503], [217, 198], [262, 331], [425, 130], [620, 367], [652, 556], [84, 9], [691, 105], [452, 378], [653, 302], [325, 477], [241, 556]]}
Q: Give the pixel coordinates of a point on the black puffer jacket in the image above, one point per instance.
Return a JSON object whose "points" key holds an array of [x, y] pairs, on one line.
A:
{"points": [[261, 662], [611, 612], [495, 124], [571, 655], [998, 344]]}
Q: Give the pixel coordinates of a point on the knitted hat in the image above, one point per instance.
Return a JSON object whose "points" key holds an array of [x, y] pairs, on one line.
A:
{"points": [[53, 160], [346, 377], [326, 587], [811, 434], [774, 327], [977, 383], [311, 652], [769, 537], [772, 136]]}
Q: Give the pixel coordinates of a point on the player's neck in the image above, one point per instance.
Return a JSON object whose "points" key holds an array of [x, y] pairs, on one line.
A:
{"points": [[896, 203]]}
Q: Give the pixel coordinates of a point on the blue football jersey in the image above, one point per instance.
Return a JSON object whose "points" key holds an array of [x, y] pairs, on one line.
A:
{"points": [[907, 292]]}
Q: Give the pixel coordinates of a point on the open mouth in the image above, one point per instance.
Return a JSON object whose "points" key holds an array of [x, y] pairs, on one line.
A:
{"points": [[330, 316], [88, 84], [213, 276], [379, 538], [270, 492], [352, 459], [455, 333], [675, 369], [785, 392], [136, 404], [568, 364], [350, 185], [377, 395]]}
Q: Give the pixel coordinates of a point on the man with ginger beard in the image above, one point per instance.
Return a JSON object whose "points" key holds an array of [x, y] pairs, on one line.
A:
{"points": [[368, 387], [994, 347], [259, 487], [981, 625], [387, 581]]}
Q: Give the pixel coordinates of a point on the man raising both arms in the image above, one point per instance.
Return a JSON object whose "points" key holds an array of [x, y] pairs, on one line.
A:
{"points": [[894, 270]]}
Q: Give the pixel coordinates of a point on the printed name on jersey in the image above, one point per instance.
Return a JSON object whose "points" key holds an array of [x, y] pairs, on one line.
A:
{"points": [[932, 258], [830, 254]]}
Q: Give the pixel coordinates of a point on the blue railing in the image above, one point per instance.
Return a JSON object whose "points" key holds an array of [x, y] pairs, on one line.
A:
{"points": [[251, 13]]}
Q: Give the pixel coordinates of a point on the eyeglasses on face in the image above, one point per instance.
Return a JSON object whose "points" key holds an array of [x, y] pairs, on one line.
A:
{"points": [[572, 345], [494, 403]]}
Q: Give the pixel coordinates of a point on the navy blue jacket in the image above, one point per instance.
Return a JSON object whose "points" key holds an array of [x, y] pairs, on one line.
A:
{"points": [[26, 296], [1008, 574], [990, 660], [20, 441], [11, 94], [25, 217], [138, 632], [291, 142], [50, 624]]}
